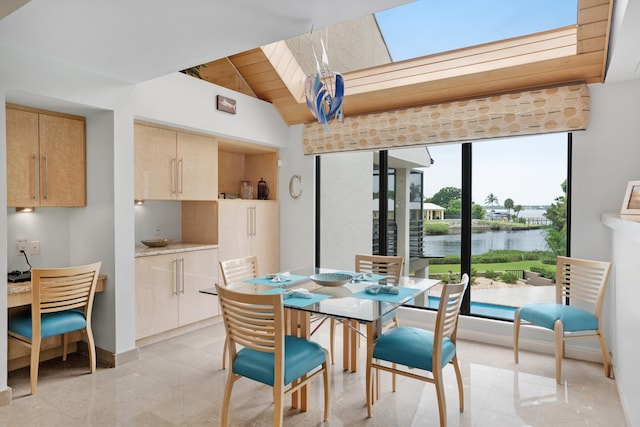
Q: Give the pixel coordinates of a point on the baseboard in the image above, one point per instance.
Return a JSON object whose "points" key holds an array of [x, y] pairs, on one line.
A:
{"points": [[142, 342], [6, 396]]}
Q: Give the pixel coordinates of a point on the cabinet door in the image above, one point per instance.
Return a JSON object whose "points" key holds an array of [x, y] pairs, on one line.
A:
{"points": [[62, 161], [197, 158], [265, 239], [199, 270], [156, 294], [155, 163], [22, 158], [234, 218]]}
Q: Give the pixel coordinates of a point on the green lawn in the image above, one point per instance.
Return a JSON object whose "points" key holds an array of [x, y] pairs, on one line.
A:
{"points": [[481, 268]]}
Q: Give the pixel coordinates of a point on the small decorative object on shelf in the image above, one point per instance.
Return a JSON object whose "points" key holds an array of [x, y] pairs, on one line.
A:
{"points": [[631, 203], [263, 190]]}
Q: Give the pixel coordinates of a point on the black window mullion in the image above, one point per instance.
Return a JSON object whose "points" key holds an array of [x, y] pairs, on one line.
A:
{"points": [[465, 244]]}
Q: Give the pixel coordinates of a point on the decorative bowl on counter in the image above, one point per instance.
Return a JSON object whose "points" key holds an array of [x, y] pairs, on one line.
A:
{"points": [[331, 279], [155, 243]]}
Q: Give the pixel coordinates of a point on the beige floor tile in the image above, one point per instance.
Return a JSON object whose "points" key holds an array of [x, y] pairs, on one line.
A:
{"points": [[180, 382]]}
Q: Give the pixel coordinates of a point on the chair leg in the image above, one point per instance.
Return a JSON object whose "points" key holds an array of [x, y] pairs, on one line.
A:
{"points": [[225, 350], [393, 378], [88, 333], [558, 330], [606, 359], [226, 400], [516, 334], [442, 404], [456, 367], [327, 400], [65, 346], [332, 334], [278, 407], [369, 385], [35, 362]]}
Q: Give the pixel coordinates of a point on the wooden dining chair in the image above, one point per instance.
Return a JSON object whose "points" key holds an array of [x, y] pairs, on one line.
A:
{"points": [[416, 348], [260, 350], [580, 290], [62, 301], [389, 266], [233, 271]]}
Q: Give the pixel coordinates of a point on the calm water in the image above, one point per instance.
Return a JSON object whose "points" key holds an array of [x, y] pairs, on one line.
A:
{"points": [[526, 240]]}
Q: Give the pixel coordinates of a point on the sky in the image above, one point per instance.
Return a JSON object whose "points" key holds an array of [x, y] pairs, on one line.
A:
{"points": [[528, 170], [424, 27]]}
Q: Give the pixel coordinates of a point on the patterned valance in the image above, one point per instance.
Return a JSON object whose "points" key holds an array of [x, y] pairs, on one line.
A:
{"points": [[557, 109]]}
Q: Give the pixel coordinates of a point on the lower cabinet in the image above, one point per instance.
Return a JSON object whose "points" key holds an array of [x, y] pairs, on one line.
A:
{"points": [[250, 227], [167, 290]]}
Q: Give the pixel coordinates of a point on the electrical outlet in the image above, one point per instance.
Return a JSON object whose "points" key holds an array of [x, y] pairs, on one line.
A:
{"points": [[34, 247], [21, 245], [156, 231]]}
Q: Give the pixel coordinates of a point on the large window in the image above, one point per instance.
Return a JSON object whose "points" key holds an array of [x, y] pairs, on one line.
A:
{"points": [[518, 219], [495, 209]]}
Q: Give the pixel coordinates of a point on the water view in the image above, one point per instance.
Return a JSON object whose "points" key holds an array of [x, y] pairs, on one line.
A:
{"points": [[525, 240], [481, 242]]}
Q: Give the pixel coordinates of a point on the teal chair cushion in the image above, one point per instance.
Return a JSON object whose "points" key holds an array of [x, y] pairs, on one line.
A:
{"points": [[413, 347], [51, 323], [300, 357], [573, 318]]}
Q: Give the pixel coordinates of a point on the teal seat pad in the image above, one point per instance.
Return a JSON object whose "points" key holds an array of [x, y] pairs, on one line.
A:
{"points": [[52, 324], [411, 347], [300, 357], [573, 318]]}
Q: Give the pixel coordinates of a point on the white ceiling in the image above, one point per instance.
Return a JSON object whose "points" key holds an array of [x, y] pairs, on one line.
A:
{"points": [[136, 40]]}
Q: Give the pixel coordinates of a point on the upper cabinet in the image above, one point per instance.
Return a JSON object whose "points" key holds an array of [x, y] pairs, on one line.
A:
{"points": [[46, 158], [174, 165]]}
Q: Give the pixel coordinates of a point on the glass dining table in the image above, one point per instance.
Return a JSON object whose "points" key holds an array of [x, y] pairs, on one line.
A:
{"points": [[354, 303]]}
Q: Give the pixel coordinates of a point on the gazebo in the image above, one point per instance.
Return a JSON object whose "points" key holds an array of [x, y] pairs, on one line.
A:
{"points": [[433, 211]]}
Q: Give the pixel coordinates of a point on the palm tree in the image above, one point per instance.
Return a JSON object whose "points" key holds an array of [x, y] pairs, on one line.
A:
{"points": [[517, 209], [508, 205], [491, 200]]}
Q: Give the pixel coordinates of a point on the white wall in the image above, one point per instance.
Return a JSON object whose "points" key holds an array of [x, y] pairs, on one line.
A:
{"points": [[346, 218], [605, 160], [297, 218]]}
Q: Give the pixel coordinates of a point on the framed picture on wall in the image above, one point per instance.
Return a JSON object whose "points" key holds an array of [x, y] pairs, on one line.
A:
{"points": [[631, 203]]}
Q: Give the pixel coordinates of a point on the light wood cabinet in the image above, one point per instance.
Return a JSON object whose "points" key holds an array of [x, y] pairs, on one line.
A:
{"points": [[250, 227], [46, 159], [167, 290], [174, 165]]}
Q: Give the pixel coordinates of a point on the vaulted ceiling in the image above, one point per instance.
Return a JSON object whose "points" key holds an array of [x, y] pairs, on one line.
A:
{"points": [[575, 54]]}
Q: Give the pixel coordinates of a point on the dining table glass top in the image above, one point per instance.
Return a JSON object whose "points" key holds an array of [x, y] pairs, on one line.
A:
{"points": [[349, 301]]}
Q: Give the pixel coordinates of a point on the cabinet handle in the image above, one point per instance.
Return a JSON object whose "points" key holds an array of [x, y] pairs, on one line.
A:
{"points": [[46, 177], [35, 176], [180, 181], [173, 176], [249, 221], [182, 273], [254, 221], [175, 273]]}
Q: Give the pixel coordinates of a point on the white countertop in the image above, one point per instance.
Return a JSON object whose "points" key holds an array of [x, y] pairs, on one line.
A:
{"points": [[630, 227], [142, 250]]}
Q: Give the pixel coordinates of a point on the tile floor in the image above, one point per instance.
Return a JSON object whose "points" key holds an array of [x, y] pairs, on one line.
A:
{"points": [[179, 382]]}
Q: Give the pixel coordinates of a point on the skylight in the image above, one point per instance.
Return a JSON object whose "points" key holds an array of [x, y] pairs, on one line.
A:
{"points": [[426, 27]]}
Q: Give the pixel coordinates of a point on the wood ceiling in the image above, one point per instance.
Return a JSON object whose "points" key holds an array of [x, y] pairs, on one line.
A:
{"points": [[575, 54]]}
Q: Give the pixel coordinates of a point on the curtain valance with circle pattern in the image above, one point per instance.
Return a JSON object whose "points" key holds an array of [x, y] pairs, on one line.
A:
{"points": [[557, 109]]}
